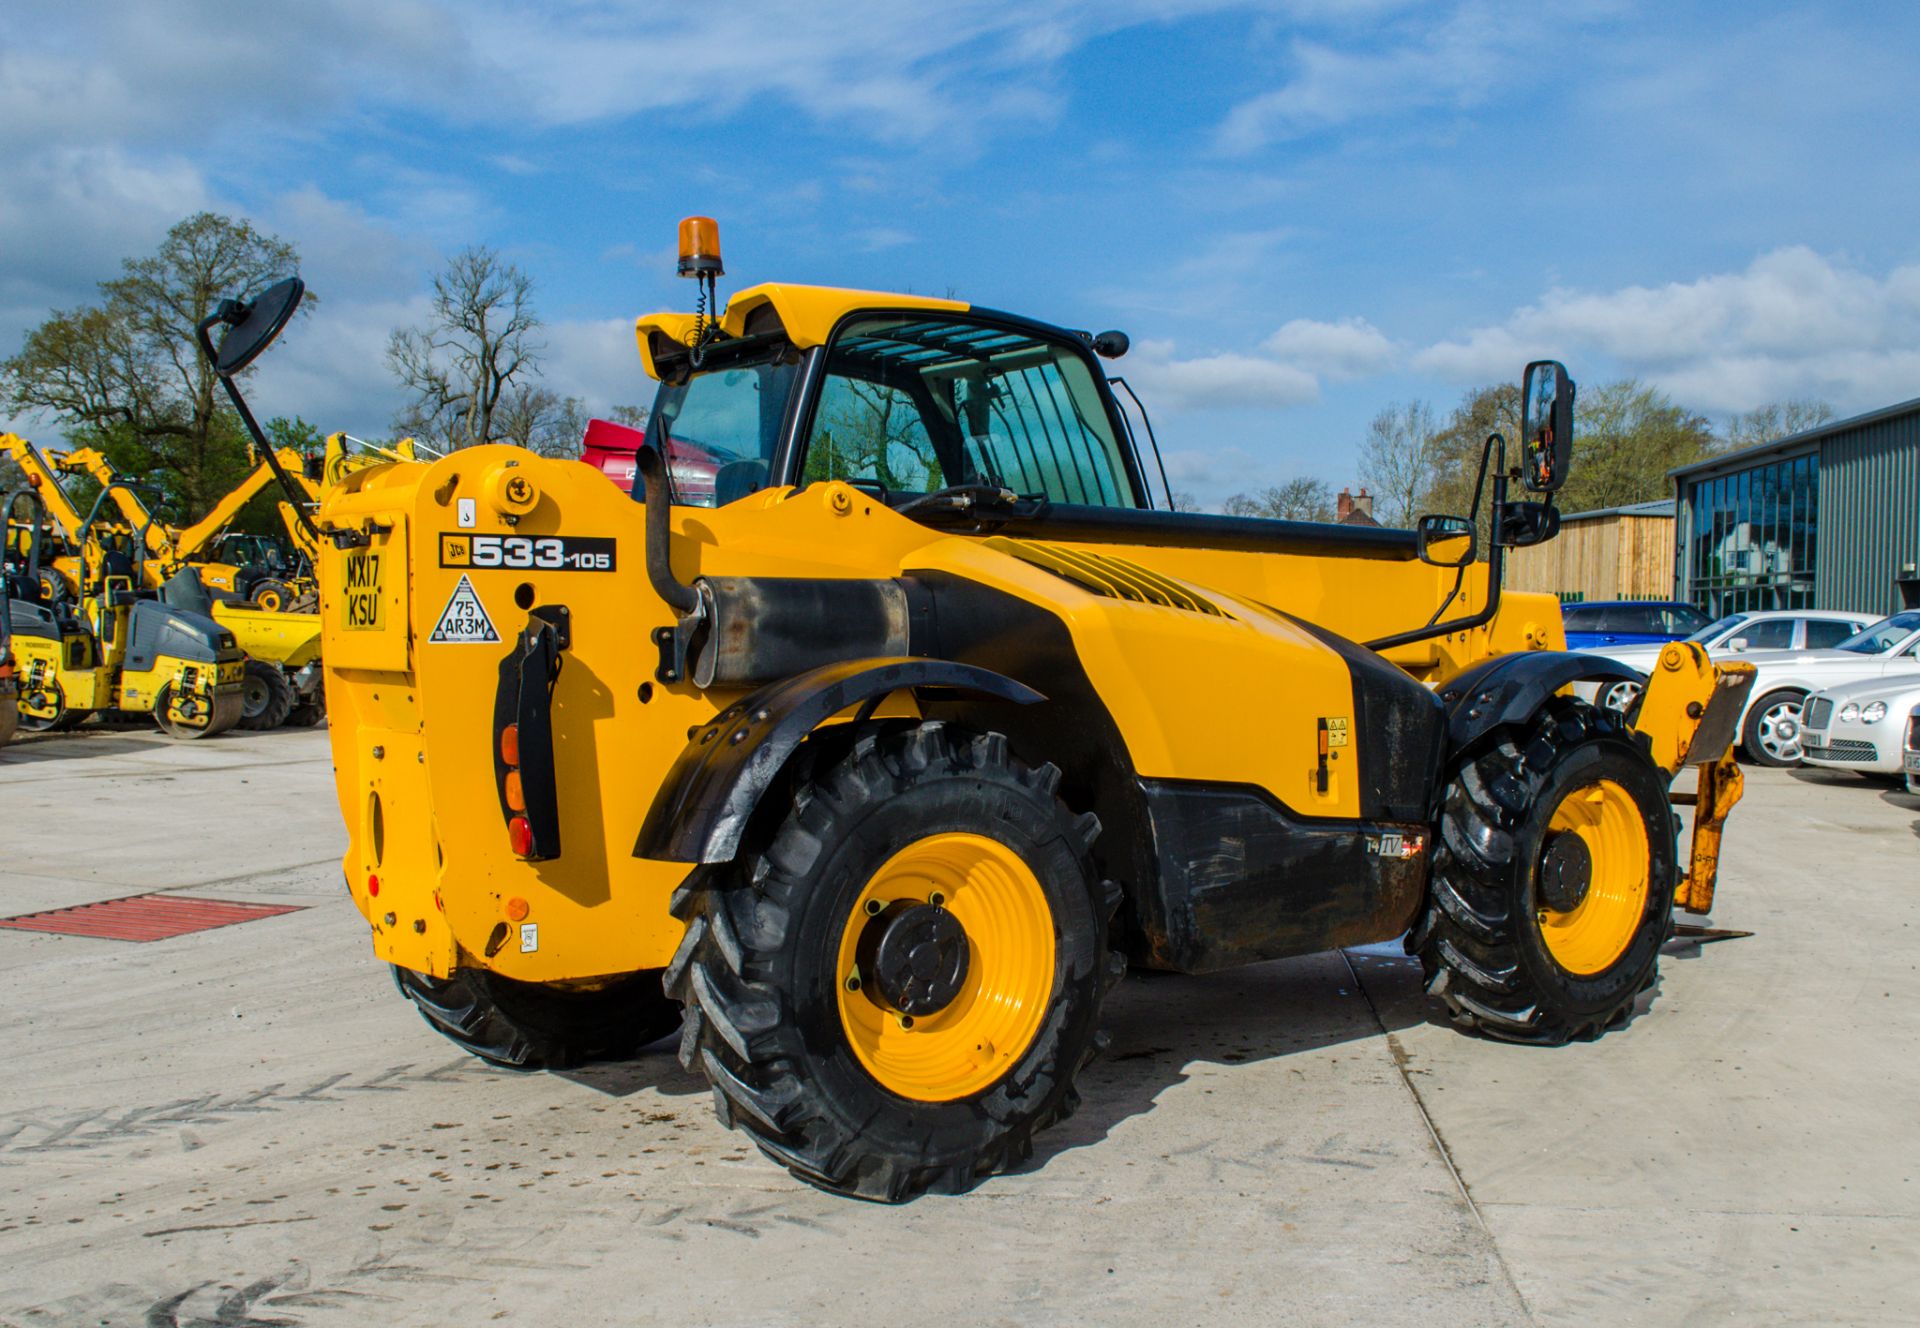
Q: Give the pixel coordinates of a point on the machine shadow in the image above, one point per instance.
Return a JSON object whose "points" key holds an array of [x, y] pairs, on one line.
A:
{"points": [[32, 748], [1163, 1024]]}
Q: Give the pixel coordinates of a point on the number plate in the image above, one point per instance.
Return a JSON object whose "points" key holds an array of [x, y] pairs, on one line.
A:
{"points": [[1913, 763], [363, 608], [550, 553]]}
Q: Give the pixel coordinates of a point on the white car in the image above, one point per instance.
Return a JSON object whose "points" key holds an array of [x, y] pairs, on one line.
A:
{"points": [[1736, 634], [1770, 728], [1861, 728]]}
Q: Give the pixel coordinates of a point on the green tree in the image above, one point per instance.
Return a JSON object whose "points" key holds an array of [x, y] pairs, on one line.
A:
{"points": [[127, 375]]}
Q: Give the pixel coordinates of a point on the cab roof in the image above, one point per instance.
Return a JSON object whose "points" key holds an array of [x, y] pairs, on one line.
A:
{"points": [[806, 314]]}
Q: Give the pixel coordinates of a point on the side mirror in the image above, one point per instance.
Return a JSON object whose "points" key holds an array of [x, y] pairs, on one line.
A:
{"points": [[252, 325], [1546, 453], [1447, 541], [1517, 525], [1738, 643]]}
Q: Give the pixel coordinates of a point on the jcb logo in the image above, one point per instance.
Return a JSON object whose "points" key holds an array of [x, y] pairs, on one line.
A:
{"points": [[363, 605]]}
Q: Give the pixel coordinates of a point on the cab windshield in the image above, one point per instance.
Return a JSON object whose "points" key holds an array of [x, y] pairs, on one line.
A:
{"points": [[718, 429], [1883, 635], [911, 405]]}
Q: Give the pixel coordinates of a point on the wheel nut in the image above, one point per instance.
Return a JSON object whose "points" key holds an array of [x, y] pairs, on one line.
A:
{"points": [[873, 908], [906, 1021]]}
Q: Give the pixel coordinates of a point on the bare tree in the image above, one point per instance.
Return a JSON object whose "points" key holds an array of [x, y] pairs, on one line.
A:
{"points": [[541, 420], [1398, 458], [464, 366], [1776, 419], [1301, 498]]}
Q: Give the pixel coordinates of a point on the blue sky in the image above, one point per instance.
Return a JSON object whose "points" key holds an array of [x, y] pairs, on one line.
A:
{"points": [[1299, 211]]}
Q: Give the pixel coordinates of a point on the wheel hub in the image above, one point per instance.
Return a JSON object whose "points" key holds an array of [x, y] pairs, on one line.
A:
{"points": [[1566, 872], [916, 957]]}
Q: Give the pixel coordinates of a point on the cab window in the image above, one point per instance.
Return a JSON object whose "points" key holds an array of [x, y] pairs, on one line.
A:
{"points": [[717, 430], [910, 405]]}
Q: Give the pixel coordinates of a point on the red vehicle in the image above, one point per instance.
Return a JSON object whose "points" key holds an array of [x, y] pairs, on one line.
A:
{"points": [[612, 448]]}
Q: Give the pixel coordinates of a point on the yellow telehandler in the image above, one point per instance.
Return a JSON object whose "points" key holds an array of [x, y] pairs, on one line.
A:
{"points": [[889, 719]]}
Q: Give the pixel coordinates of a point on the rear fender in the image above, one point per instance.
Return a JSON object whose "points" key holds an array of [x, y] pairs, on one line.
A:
{"points": [[701, 810]]}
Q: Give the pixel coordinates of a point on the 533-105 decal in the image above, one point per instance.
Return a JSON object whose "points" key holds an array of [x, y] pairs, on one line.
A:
{"points": [[556, 553]]}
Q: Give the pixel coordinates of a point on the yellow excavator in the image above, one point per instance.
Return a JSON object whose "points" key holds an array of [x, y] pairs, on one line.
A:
{"points": [[282, 678]]}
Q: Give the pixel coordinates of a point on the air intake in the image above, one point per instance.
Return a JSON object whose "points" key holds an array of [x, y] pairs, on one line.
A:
{"points": [[1104, 574]]}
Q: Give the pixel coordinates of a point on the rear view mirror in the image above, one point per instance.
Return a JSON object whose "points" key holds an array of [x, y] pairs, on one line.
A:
{"points": [[252, 325], [1546, 453], [1447, 541], [1738, 643]]}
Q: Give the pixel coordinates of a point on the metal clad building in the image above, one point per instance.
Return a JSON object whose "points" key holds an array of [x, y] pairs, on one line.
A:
{"points": [[1827, 519]]}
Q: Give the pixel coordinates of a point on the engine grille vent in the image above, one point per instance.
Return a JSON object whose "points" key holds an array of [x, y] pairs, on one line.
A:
{"points": [[1818, 712], [1104, 574], [1844, 749]]}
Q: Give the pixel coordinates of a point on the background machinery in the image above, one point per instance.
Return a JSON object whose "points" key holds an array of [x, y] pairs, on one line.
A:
{"points": [[883, 761], [113, 646]]}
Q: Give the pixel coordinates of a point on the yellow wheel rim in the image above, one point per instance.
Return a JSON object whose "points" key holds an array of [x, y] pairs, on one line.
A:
{"points": [[1596, 932], [989, 1024]]}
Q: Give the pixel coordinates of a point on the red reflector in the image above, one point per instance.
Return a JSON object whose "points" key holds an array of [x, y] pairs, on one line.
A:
{"points": [[510, 744], [520, 836], [373, 885], [516, 796]]}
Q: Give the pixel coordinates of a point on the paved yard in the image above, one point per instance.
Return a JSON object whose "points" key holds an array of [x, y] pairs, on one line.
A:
{"points": [[249, 1126]]}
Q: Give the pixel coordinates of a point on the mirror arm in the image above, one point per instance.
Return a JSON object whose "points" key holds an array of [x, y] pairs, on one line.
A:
{"points": [[296, 497], [1496, 563]]}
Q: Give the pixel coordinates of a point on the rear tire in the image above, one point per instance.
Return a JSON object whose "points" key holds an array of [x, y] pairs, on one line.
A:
{"points": [[1506, 963], [529, 1026], [844, 1089], [1771, 735], [266, 697]]}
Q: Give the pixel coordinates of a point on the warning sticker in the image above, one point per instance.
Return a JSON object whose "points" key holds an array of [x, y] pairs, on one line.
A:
{"points": [[1337, 731], [464, 620]]}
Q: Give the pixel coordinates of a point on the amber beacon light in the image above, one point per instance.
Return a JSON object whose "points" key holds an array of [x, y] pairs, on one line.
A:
{"points": [[700, 247]]}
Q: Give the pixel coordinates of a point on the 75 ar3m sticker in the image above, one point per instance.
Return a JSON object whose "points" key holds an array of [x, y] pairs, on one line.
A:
{"points": [[553, 553]]}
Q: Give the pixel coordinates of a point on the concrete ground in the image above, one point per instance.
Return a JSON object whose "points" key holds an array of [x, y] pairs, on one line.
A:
{"points": [[248, 1125]]}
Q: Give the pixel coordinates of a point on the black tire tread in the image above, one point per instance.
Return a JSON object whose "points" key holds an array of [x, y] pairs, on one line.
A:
{"points": [[737, 1029], [525, 1026], [280, 697], [1467, 938]]}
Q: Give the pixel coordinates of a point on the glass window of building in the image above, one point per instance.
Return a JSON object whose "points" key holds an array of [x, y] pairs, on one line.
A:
{"points": [[1750, 538]]}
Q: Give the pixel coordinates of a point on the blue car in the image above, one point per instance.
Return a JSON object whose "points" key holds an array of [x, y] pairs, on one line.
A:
{"points": [[1629, 622]]}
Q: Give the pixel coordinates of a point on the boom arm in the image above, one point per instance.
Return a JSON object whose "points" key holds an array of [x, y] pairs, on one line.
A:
{"points": [[45, 480], [159, 536], [197, 536]]}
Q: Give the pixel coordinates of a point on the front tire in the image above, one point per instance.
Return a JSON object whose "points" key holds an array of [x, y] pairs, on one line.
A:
{"points": [[528, 1026], [1771, 735], [883, 1079], [271, 594], [1553, 880], [266, 697]]}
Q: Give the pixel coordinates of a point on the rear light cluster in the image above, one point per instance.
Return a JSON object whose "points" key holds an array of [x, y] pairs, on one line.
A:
{"points": [[519, 832]]}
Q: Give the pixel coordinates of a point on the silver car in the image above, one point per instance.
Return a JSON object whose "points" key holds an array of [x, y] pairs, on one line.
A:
{"points": [[1734, 635], [1860, 727]]}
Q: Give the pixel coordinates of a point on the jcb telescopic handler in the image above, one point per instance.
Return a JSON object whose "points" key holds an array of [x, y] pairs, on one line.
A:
{"points": [[890, 753]]}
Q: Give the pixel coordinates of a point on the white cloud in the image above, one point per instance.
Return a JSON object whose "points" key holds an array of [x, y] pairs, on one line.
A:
{"points": [[1455, 65], [1794, 323], [1219, 381], [1351, 348]]}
